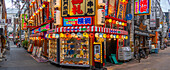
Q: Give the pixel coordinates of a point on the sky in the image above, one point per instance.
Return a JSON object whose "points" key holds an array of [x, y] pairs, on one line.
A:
{"points": [[164, 4]]}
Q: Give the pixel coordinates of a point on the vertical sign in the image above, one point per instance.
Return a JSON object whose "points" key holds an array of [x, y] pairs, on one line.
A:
{"points": [[111, 8], [106, 7], [77, 7], [65, 7], [142, 6], [152, 16], [24, 24], [120, 12], [90, 7], [101, 16]]}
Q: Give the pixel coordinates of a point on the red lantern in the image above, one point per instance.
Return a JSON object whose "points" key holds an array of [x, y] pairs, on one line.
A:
{"points": [[91, 35], [108, 36], [68, 35], [114, 22]]}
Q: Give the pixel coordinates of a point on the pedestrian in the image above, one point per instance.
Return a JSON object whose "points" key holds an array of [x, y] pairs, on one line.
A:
{"points": [[19, 44]]}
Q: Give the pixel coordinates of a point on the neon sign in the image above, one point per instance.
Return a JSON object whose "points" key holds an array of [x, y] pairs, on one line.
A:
{"points": [[142, 6], [73, 21], [45, 27]]}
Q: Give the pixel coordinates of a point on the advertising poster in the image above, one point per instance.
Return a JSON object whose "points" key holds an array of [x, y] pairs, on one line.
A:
{"points": [[111, 8], [97, 54]]}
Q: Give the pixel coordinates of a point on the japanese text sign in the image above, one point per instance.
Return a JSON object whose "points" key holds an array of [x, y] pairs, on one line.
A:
{"points": [[121, 9], [77, 7], [24, 25], [142, 7], [73, 21], [45, 27]]}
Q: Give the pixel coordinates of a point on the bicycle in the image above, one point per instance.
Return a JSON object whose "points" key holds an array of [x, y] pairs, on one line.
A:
{"points": [[140, 54]]}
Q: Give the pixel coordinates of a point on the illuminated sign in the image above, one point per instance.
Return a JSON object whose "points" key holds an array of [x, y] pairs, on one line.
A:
{"points": [[45, 27], [24, 25], [121, 9], [73, 21], [37, 30], [78, 7], [142, 7], [111, 8]]}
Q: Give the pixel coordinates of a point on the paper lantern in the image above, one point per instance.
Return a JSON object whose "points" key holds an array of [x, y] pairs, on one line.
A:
{"points": [[62, 35], [101, 35], [114, 36], [79, 34], [91, 35], [43, 5], [57, 36], [111, 36], [39, 38], [110, 20], [117, 36], [72, 34], [104, 35], [117, 22], [120, 36], [120, 23], [68, 35], [96, 35], [53, 35], [126, 37], [85, 34], [113, 21], [123, 23], [108, 36], [76, 36]]}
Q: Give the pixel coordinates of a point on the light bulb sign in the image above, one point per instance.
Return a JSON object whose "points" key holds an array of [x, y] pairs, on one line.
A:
{"points": [[74, 21], [142, 7]]}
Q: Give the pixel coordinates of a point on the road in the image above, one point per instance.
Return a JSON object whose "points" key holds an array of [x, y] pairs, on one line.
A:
{"points": [[19, 59], [154, 62]]}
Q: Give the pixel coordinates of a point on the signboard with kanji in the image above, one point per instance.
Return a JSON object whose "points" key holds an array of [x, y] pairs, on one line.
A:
{"points": [[74, 21], [121, 9], [77, 7], [142, 7]]}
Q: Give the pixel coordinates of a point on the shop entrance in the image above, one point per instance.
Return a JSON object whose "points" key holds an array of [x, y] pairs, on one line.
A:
{"points": [[111, 46]]}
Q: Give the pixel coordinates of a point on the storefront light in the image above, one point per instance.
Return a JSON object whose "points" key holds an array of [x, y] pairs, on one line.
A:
{"points": [[43, 5], [117, 36], [108, 36], [123, 23], [113, 21], [126, 37], [62, 35], [72, 34], [57, 36]]}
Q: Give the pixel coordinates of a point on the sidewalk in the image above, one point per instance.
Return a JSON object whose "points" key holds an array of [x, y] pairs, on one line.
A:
{"points": [[158, 61]]}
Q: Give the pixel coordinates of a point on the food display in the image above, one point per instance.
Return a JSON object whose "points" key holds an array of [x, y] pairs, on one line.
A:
{"points": [[74, 50], [53, 50]]}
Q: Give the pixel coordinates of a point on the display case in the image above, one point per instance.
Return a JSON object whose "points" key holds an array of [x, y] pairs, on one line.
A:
{"points": [[74, 50], [53, 50]]}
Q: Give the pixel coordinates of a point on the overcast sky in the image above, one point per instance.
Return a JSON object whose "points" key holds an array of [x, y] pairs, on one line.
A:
{"points": [[164, 4]]}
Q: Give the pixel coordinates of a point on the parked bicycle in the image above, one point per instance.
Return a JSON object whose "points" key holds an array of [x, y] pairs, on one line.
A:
{"points": [[141, 54]]}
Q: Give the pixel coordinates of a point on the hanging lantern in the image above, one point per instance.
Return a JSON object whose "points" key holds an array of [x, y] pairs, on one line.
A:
{"points": [[108, 36], [53, 36], [91, 35], [123, 23], [126, 37], [72, 34], [76, 36], [111, 36], [113, 21], [117, 36], [117, 22], [85, 34], [79, 34], [114, 36], [57, 36], [120, 23], [104, 35], [96, 35], [62, 35], [110, 20], [101, 35], [120, 36], [43, 5], [68, 35]]}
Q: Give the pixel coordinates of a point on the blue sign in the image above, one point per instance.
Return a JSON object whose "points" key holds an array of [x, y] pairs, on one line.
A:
{"points": [[129, 16], [74, 21]]}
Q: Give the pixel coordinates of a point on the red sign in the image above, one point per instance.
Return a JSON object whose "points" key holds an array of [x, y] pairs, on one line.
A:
{"points": [[78, 7]]}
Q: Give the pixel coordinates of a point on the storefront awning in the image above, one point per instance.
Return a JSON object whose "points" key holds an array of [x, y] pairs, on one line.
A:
{"points": [[91, 29]]}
